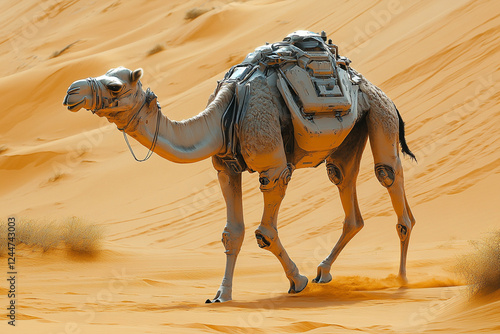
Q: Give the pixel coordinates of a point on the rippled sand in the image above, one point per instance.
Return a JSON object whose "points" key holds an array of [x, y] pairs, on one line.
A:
{"points": [[162, 256]]}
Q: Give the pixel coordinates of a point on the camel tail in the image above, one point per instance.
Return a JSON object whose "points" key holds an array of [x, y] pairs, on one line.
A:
{"points": [[404, 146]]}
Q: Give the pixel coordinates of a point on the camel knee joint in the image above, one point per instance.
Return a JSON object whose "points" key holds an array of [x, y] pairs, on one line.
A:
{"points": [[402, 231], [232, 239], [268, 182], [334, 173], [385, 175], [266, 238], [353, 226]]}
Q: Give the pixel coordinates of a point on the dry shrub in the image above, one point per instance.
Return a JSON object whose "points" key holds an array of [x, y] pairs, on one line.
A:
{"points": [[194, 13], [56, 177], [157, 48], [82, 238], [77, 236], [56, 54], [37, 235], [481, 268], [3, 238]]}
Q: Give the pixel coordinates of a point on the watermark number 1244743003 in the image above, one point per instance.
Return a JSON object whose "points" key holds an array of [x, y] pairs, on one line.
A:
{"points": [[11, 271]]}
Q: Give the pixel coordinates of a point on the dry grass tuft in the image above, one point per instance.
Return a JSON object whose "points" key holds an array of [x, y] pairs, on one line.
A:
{"points": [[75, 235], [481, 269], [82, 238], [3, 238], [56, 177], [195, 12], [37, 235], [63, 50], [157, 48]]}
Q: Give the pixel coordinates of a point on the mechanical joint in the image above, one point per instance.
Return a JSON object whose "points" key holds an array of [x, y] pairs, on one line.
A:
{"points": [[266, 237], [334, 173], [267, 183], [385, 175], [262, 241], [232, 240], [402, 231]]}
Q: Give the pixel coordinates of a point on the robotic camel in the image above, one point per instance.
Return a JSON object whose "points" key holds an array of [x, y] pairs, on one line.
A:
{"points": [[291, 104]]}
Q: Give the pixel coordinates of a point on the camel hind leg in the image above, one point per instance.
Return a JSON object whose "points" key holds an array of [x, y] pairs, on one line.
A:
{"points": [[389, 172], [343, 167], [384, 130]]}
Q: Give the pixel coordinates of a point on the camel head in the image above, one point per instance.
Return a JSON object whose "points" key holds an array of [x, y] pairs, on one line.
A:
{"points": [[110, 95]]}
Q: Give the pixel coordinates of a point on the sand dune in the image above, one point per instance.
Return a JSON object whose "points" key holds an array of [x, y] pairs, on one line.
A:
{"points": [[439, 62]]}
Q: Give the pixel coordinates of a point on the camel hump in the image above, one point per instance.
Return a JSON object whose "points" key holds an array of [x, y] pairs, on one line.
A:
{"points": [[260, 129], [319, 89]]}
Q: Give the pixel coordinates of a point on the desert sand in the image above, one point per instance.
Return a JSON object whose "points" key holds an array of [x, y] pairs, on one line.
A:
{"points": [[161, 256]]}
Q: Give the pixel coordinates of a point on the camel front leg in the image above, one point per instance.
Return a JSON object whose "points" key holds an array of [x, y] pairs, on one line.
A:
{"points": [[273, 188], [232, 236]]}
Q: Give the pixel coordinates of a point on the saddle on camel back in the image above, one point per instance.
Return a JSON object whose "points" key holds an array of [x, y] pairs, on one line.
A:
{"points": [[318, 86]]}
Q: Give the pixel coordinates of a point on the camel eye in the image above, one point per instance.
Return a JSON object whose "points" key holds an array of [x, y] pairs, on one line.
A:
{"points": [[114, 87]]}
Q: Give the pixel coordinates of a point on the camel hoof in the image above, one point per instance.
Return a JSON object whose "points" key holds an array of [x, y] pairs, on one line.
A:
{"points": [[403, 280], [296, 287], [222, 295], [208, 301], [323, 275]]}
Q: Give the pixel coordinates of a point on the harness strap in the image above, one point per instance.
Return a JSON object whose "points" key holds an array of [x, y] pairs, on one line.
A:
{"points": [[231, 120], [150, 96], [98, 102], [96, 94], [153, 144]]}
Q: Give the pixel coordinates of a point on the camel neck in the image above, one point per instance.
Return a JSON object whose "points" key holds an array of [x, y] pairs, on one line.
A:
{"points": [[190, 140]]}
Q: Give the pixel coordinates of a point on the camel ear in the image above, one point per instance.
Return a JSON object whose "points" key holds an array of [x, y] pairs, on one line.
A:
{"points": [[136, 75]]}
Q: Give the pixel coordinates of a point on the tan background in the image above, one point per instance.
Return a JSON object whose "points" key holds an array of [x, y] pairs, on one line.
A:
{"points": [[439, 62]]}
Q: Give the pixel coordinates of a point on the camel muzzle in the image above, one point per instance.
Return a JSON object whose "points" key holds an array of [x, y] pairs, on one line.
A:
{"points": [[77, 96]]}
